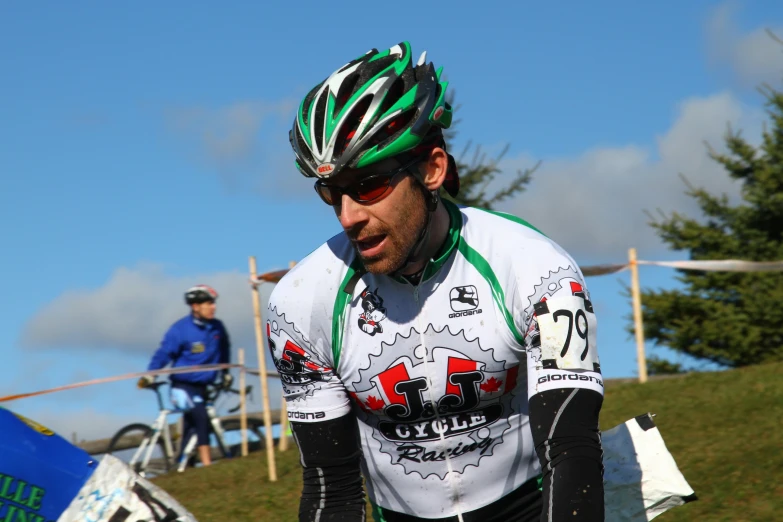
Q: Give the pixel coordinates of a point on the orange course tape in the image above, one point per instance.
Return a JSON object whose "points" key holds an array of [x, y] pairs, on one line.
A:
{"points": [[103, 380]]}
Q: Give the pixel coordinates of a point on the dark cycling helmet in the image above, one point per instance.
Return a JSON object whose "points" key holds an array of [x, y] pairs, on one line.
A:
{"points": [[200, 294], [378, 106]]}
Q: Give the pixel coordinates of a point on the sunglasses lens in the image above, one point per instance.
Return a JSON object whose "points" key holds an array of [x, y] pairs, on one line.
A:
{"points": [[327, 194], [364, 191], [372, 188]]}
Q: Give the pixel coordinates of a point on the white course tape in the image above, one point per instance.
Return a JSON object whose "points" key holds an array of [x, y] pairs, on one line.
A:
{"points": [[721, 265]]}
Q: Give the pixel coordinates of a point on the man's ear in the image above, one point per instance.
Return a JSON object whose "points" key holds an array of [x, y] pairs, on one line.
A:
{"points": [[434, 169]]}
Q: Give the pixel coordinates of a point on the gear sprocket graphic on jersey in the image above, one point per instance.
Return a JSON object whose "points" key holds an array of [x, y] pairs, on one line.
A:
{"points": [[299, 370], [463, 414], [563, 281]]}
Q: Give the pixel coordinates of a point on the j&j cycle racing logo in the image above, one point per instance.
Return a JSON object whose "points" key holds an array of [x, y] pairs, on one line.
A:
{"points": [[413, 397]]}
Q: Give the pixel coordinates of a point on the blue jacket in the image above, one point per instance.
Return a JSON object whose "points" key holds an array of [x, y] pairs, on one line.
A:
{"points": [[189, 342]]}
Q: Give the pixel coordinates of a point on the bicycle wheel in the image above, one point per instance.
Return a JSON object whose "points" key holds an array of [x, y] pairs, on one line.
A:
{"points": [[233, 435], [131, 444]]}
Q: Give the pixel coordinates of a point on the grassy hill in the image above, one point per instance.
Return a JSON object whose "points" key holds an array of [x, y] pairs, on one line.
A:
{"points": [[724, 429]]}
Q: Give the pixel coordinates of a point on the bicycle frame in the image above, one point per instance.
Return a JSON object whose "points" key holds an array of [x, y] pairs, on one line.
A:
{"points": [[159, 428]]}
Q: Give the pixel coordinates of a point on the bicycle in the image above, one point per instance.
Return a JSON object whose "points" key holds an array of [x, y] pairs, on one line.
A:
{"points": [[155, 456]]}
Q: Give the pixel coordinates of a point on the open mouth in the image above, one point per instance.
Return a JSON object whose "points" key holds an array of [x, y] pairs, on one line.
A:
{"points": [[371, 245]]}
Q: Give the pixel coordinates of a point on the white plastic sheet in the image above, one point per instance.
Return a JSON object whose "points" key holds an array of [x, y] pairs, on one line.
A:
{"points": [[114, 493], [641, 478]]}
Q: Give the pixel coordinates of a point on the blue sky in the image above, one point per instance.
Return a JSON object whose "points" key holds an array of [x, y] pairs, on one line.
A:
{"points": [[144, 149]]}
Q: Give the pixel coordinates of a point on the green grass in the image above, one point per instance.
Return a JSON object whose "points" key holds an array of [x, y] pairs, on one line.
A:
{"points": [[724, 429]]}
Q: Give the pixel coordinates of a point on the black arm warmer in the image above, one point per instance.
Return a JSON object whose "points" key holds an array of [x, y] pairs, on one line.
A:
{"points": [[330, 453], [565, 431]]}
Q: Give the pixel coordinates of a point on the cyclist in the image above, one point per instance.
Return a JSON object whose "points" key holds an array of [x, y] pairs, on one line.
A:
{"points": [[196, 339], [448, 353]]}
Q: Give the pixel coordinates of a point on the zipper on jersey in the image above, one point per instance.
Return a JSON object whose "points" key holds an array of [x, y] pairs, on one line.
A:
{"points": [[421, 325]]}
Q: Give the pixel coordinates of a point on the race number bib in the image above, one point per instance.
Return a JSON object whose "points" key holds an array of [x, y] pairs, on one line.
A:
{"points": [[567, 328]]}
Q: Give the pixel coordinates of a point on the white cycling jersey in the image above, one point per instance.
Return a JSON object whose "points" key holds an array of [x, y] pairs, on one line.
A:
{"points": [[438, 374]]}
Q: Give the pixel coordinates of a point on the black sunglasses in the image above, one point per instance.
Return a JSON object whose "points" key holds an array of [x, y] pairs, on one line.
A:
{"points": [[367, 190]]}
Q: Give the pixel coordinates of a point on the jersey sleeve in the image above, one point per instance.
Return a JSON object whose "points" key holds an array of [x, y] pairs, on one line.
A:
{"points": [[302, 355], [167, 351], [552, 306], [225, 345], [565, 387]]}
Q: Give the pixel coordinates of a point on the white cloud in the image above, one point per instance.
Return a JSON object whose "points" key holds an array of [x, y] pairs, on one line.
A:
{"points": [[593, 204], [753, 56], [135, 307], [245, 142]]}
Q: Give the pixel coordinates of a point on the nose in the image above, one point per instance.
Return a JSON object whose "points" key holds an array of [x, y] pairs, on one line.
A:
{"points": [[351, 213]]}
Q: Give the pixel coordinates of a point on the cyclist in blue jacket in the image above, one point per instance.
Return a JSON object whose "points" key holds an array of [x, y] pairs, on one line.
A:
{"points": [[196, 339]]}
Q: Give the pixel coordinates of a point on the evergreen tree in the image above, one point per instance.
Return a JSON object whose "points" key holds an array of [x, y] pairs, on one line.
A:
{"points": [[730, 318], [477, 173]]}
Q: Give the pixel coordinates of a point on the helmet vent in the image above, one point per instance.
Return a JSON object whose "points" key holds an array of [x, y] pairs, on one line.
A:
{"points": [[308, 101], [351, 123], [395, 93], [372, 68], [347, 88], [393, 129], [318, 124]]}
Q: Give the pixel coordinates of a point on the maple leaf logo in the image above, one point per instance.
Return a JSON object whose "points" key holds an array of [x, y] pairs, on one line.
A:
{"points": [[491, 386], [374, 403]]}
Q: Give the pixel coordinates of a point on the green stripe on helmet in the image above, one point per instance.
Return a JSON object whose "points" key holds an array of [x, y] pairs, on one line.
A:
{"points": [[441, 114], [406, 141], [357, 153], [398, 66]]}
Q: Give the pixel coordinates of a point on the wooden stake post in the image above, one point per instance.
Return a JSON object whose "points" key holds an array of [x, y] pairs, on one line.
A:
{"points": [[242, 402], [637, 315], [283, 444], [270, 450]]}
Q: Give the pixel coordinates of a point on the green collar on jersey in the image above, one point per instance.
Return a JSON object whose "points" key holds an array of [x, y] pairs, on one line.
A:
{"points": [[454, 242], [356, 270], [448, 246]]}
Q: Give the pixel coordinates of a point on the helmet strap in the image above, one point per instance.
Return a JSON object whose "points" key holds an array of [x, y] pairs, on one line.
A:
{"points": [[433, 199]]}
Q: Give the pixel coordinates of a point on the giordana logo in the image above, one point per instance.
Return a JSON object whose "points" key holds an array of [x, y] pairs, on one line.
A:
{"points": [[464, 301], [465, 404], [570, 376], [309, 415]]}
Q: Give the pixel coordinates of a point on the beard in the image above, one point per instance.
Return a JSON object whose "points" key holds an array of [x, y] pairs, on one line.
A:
{"points": [[401, 236]]}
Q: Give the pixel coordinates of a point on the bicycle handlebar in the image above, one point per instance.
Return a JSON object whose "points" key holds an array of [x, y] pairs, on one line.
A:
{"points": [[213, 392]]}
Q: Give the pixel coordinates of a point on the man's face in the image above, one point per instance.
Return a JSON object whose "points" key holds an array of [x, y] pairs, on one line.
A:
{"points": [[384, 231], [204, 310]]}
